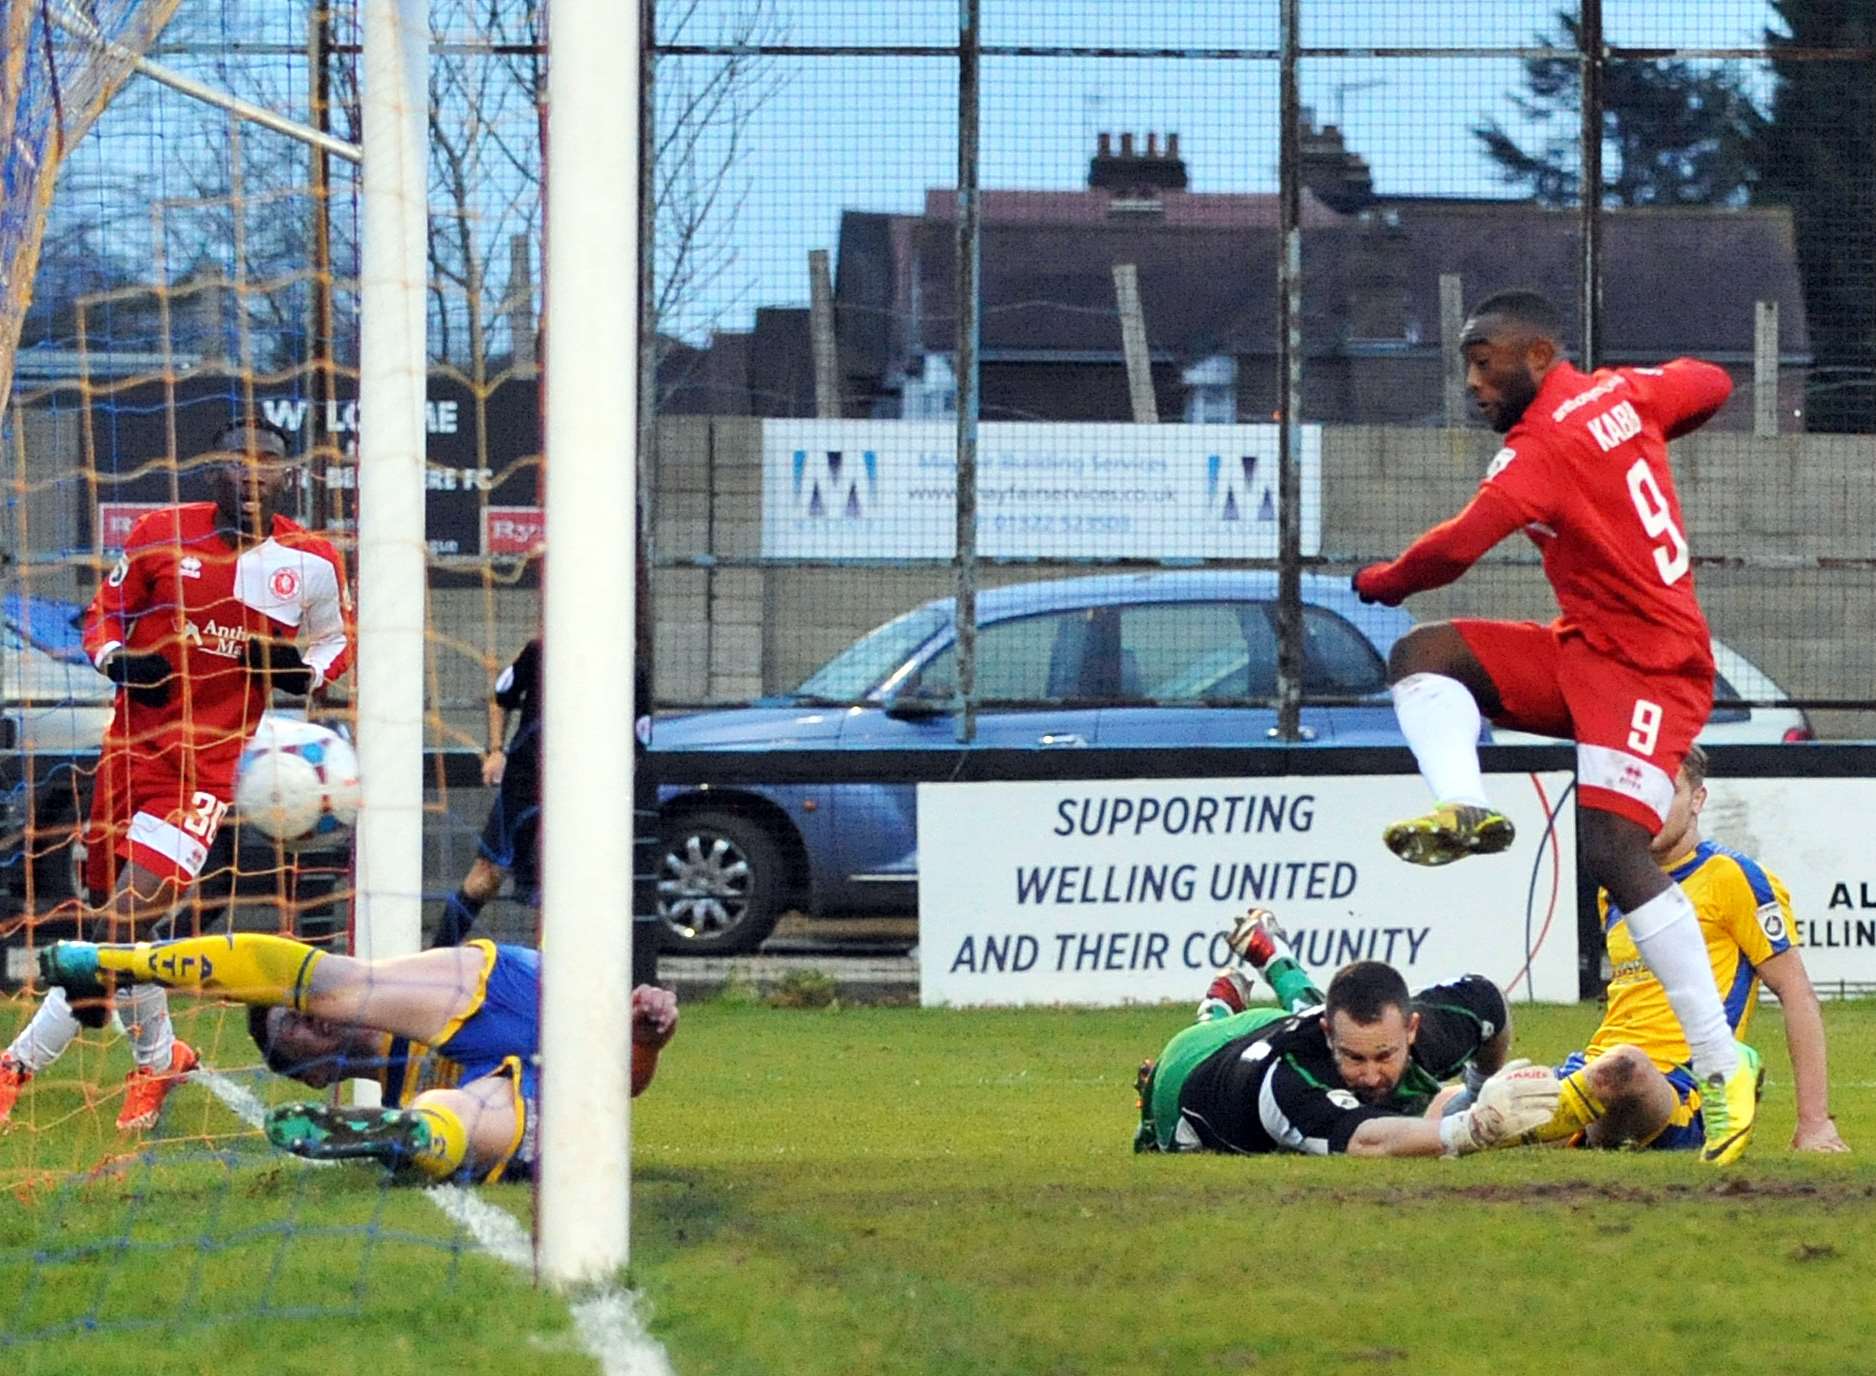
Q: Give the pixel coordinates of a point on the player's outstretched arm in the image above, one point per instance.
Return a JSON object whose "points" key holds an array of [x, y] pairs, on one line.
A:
{"points": [[1443, 553], [1520, 1097], [1784, 974]]}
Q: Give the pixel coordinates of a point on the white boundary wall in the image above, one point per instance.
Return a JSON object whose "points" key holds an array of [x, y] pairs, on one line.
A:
{"points": [[1020, 904]]}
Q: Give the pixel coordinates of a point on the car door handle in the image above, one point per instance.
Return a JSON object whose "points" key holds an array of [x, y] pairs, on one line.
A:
{"points": [[1303, 733], [1060, 739]]}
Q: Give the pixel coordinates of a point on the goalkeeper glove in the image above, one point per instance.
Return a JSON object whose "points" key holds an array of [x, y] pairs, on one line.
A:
{"points": [[1521, 1096], [144, 675], [281, 663]]}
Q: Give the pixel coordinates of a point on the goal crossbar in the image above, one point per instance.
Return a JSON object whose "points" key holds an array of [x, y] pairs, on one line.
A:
{"points": [[81, 28]]}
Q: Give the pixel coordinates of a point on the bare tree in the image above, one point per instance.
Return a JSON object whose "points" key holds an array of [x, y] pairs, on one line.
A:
{"points": [[700, 179], [241, 207]]}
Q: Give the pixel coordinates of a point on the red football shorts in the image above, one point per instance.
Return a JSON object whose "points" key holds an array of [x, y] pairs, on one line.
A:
{"points": [[1632, 728], [143, 813]]}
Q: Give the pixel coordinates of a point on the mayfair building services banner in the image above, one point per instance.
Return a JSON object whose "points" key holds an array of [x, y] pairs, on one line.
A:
{"points": [[1121, 892], [1814, 835], [888, 490]]}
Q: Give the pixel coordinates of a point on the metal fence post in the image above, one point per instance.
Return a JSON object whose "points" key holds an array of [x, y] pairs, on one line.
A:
{"points": [[969, 277], [1290, 385], [1589, 37]]}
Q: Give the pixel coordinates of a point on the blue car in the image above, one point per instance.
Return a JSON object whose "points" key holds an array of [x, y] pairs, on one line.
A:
{"points": [[1172, 659]]}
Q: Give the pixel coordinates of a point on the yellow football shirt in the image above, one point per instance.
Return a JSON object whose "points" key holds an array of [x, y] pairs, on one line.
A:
{"points": [[1745, 916]]}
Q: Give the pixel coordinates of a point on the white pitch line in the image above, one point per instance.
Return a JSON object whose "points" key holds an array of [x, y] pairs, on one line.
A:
{"points": [[609, 1322]]}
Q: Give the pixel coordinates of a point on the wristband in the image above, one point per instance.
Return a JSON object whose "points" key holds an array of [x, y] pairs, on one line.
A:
{"points": [[1456, 1135]]}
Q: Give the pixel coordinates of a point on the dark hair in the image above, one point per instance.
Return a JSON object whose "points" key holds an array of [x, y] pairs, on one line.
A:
{"points": [[262, 1032], [257, 1025], [1365, 991], [1526, 307], [1695, 763], [233, 436]]}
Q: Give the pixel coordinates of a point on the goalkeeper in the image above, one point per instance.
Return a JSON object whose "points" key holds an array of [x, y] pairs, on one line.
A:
{"points": [[451, 1035], [1354, 1071]]}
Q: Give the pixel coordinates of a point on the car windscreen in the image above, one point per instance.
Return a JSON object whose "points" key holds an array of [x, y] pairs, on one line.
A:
{"points": [[863, 665]]}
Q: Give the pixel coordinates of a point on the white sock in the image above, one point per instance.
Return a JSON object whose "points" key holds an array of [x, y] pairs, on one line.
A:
{"points": [[1667, 932], [146, 1011], [44, 1039], [1440, 719]]}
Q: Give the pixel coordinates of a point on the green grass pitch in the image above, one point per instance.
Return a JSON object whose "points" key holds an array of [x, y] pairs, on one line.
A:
{"points": [[927, 1191]]}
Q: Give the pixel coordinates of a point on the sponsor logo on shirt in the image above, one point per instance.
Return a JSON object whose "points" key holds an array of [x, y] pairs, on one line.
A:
{"points": [[213, 638], [1343, 1099], [1629, 970], [190, 567], [1582, 399]]}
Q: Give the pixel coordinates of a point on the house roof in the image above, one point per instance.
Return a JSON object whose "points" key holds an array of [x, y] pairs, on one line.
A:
{"points": [[1678, 281]]}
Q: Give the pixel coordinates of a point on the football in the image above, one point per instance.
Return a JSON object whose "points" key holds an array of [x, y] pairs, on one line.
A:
{"points": [[298, 783]]}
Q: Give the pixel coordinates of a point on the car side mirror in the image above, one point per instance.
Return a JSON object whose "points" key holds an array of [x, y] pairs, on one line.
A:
{"points": [[910, 704]]}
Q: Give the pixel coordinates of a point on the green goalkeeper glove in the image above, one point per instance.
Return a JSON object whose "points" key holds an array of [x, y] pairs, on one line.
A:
{"points": [[1520, 1097]]}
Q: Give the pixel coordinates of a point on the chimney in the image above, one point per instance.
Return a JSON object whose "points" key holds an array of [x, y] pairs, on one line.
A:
{"points": [[1133, 176], [1340, 179]]}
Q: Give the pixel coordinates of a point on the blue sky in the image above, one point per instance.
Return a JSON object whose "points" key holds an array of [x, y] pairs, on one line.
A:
{"points": [[873, 132]]}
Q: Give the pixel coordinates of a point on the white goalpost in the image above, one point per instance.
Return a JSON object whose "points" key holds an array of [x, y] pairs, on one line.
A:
{"points": [[393, 269], [586, 833], [591, 271]]}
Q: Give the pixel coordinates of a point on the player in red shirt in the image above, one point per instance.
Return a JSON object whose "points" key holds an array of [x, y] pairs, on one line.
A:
{"points": [[196, 625], [1626, 669]]}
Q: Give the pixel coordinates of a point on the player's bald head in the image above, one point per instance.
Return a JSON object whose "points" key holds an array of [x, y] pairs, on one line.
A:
{"points": [[1513, 317]]}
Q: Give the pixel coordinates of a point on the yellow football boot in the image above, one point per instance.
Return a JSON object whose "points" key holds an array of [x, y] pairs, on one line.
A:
{"points": [[1728, 1109], [1450, 832]]}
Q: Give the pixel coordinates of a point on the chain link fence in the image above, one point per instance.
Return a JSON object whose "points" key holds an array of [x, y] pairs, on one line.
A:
{"points": [[935, 308], [1036, 296]]}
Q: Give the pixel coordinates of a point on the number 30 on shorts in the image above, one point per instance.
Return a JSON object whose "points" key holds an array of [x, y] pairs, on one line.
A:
{"points": [[202, 818], [1644, 728]]}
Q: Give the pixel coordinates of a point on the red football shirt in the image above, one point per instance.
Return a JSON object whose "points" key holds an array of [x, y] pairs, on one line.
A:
{"points": [[1585, 472], [182, 591]]}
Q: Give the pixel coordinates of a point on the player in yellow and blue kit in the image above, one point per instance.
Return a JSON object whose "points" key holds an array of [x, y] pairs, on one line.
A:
{"points": [[451, 1034], [1631, 1085]]}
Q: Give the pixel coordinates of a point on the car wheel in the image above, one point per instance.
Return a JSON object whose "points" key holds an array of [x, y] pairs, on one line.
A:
{"points": [[720, 884]]}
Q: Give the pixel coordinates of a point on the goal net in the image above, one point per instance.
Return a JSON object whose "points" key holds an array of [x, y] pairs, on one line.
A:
{"points": [[203, 263]]}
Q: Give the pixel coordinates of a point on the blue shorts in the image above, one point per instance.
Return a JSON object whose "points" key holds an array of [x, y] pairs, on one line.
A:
{"points": [[1684, 1131], [500, 1034]]}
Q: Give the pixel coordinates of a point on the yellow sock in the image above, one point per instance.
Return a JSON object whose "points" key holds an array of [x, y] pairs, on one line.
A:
{"points": [[248, 966], [1577, 1108], [449, 1142]]}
